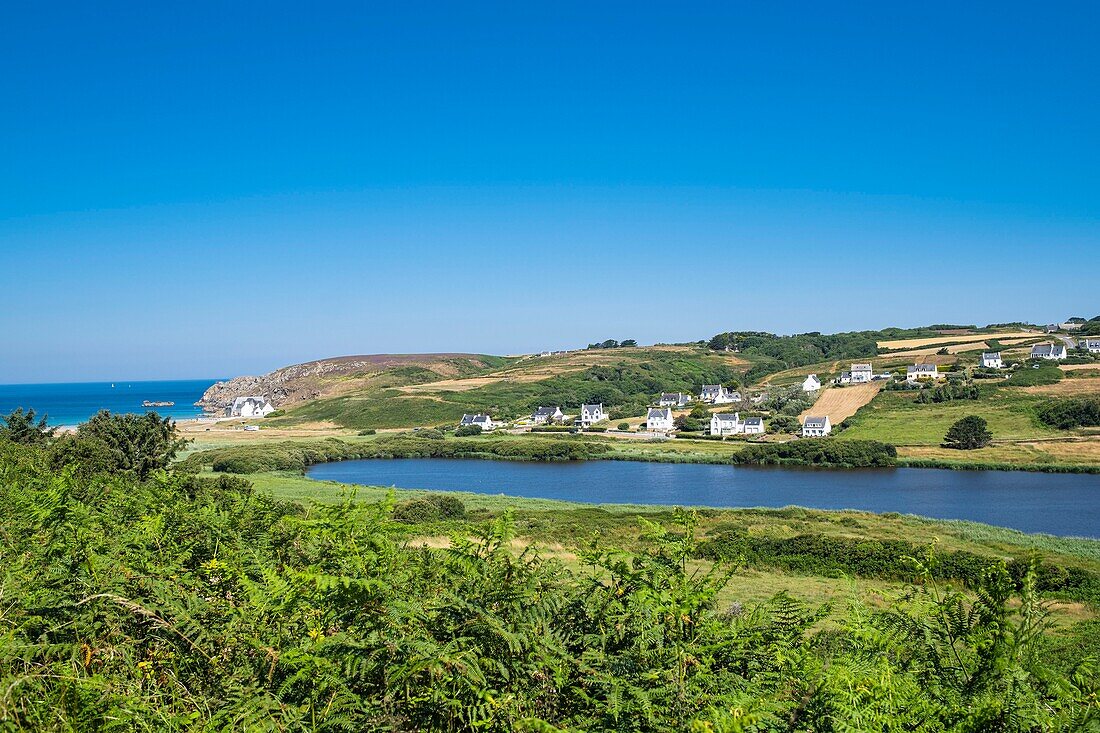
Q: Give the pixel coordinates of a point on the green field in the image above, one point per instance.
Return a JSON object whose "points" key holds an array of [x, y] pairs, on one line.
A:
{"points": [[894, 417]]}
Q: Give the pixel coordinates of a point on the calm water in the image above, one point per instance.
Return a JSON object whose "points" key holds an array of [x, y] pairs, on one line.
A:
{"points": [[73, 403], [1059, 504]]}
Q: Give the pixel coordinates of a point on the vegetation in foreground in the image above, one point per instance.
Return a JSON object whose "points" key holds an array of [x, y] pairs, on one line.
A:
{"points": [[181, 602]]}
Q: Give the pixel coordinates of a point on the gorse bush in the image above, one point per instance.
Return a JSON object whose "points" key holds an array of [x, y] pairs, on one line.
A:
{"points": [[180, 603]]}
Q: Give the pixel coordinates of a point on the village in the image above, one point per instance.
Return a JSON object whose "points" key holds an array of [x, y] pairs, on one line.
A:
{"points": [[720, 412]]}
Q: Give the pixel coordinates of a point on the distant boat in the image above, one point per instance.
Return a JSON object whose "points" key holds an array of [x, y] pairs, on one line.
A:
{"points": [[148, 403]]}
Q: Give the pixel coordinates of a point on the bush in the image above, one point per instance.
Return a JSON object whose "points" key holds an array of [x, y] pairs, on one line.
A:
{"points": [[948, 392], [276, 413], [465, 431], [624, 426], [785, 424], [431, 508], [837, 453], [368, 431], [1070, 413]]}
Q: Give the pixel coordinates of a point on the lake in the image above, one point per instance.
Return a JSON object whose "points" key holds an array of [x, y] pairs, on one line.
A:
{"points": [[1058, 504], [71, 403]]}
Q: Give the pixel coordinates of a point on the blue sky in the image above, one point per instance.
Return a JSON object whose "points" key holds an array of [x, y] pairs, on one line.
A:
{"points": [[215, 189]]}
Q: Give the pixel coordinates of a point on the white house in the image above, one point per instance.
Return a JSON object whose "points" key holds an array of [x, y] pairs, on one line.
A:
{"points": [[1048, 351], [917, 372], [753, 426], [590, 414], [1091, 345], [844, 378], [545, 415], [659, 419], [812, 384], [718, 394], [862, 373], [673, 399], [992, 360], [482, 421], [254, 406], [816, 427], [725, 423]]}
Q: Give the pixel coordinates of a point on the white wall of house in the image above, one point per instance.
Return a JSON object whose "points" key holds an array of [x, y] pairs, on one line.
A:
{"points": [[726, 427], [862, 373], [755, 428], [817, 432], [659, 421]]}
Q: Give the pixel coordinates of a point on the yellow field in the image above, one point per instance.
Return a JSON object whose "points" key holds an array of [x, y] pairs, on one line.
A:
{"points": [[918, 343], [840, 403], [1067, 387]]}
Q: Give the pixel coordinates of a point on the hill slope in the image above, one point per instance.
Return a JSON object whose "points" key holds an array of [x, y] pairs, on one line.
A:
{"points": [[299, 383], [625, 380]]}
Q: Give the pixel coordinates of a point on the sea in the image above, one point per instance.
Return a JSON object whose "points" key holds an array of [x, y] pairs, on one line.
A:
{"points": [[71, 403]]}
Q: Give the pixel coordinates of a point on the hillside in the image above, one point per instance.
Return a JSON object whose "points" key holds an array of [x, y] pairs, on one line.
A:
{"points": [[325, 378], [624, 379]]}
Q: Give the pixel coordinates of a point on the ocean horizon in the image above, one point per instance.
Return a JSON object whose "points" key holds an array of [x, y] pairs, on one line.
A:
{"points": [[71, 403]]}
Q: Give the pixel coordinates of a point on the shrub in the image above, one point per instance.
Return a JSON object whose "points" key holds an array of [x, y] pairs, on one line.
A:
{"points": [[839, 453], [368, 431], [969, 433], [1071, 413], [431, 508], [465, 431], [624, 426]]}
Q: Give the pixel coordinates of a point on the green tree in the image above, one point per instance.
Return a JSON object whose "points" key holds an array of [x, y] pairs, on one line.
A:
{"points": [[969, 433], [21, 427], [138, 444]]}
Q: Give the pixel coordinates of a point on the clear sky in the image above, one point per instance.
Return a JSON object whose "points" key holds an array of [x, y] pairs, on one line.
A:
{"points": [[209, 189]]}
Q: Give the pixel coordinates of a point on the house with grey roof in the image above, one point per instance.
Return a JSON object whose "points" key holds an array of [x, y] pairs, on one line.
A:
{"points": [[816, 427], [718, 394], [1048, 351], [659, 420], [674, 399], [918, 372], [811, 384], [1091, 345], [545, 415], [992, 360], [862, 373], [479, 419], [590, 415], [252, 406], [753, 426], [725, 423]]}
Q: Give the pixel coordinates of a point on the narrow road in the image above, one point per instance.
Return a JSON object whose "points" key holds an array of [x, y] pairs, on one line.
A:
{"points": [[1070, 343]]}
